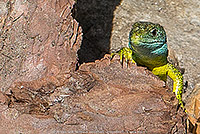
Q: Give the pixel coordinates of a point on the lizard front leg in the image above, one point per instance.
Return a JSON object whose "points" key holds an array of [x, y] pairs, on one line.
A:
{"points": [[175, 75], [124, 53]]}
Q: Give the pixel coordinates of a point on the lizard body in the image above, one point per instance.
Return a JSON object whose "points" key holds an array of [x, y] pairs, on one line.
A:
{"points": [[148, 47]]}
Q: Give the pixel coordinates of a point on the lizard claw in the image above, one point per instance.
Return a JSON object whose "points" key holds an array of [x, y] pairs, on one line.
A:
{"points": [[124, 53]]}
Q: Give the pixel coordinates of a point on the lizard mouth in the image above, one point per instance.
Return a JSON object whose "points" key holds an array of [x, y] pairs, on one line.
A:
{"points": [[154, 41], [158, 40], [153, 44], [156, 47]]}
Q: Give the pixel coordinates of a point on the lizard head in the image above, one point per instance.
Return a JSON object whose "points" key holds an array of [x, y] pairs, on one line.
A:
{"points": [[148, 37]]}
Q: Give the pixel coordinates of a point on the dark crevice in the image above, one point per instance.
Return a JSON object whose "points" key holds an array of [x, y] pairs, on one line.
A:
{"points": [[95, 17]]}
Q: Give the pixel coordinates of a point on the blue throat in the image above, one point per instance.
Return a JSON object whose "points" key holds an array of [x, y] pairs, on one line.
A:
{"points": [[150, 55]]}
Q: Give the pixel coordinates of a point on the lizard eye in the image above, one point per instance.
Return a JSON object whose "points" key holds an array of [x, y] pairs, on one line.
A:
{"points": [[154, 32]]}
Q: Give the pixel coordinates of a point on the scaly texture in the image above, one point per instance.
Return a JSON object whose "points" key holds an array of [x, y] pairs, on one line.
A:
{"points": [[148, 47]]}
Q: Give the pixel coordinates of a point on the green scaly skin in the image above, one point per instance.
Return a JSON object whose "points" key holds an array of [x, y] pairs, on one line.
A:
{"points": [[148, 47]]}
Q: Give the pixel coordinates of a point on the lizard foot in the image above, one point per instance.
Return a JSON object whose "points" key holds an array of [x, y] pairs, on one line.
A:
{"points": [[124, 53]]}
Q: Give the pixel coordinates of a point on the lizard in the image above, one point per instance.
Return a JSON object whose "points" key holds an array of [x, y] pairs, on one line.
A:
{"points": [[148, 47]]}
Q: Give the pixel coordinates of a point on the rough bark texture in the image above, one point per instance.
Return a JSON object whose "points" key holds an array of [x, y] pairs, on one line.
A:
{"points": [[42, 93], [99, 97], [38, 39], [193, 110]]}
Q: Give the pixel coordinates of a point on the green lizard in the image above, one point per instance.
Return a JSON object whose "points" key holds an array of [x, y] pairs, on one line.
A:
{"points": [[148, 47]]}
